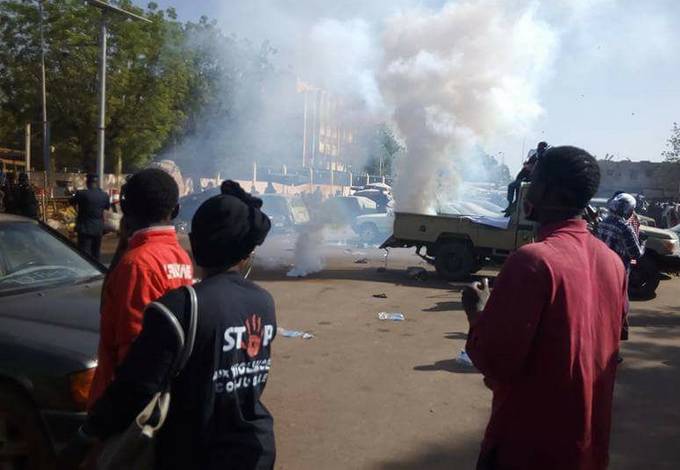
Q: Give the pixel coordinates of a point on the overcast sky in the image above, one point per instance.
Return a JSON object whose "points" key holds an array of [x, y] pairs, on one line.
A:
{"points": [[614, 86]]}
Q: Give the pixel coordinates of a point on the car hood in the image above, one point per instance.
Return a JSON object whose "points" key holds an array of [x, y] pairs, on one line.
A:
{"points": [[75, 307], [375, 216], [654, 232], [62, 321]]}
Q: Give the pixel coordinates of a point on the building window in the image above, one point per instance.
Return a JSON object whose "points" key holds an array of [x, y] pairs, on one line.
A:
{"points": [[633, 175]]}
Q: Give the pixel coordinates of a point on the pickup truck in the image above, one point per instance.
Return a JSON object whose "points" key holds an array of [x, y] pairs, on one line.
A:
{"points": [[459, 245]]}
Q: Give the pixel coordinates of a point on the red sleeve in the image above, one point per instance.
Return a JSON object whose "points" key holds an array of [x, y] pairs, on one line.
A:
{"points": [[136, 287], [499, 341]]}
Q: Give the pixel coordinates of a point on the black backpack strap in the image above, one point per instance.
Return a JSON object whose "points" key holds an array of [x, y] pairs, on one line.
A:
{"points": [[185, 340], [190, 339]]}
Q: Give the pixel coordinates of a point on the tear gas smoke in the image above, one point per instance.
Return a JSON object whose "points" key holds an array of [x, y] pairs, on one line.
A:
{"points": [[308, 254], [455, 79], [452, 79]]}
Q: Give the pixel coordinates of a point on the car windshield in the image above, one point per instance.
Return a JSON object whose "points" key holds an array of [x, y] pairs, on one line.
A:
{"points": [[32, 258], [274, 206]]}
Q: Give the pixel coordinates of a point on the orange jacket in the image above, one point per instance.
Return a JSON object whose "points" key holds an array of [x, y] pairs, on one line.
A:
{"points": [[154, 264]]}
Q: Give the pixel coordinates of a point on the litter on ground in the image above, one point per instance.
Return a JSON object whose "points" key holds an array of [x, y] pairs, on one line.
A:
{"points": [[392, 316], [295, 334]]}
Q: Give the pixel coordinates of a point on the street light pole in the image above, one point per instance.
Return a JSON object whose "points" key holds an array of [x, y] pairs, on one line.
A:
{"points": [[45, 124], [101, 128]]}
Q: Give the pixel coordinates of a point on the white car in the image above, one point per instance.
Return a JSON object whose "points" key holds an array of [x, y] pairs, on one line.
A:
{"points": [[374, 228]]}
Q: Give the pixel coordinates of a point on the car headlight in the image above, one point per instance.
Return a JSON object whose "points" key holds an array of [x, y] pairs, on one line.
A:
{"points": [[671, 247], [80, 384]]}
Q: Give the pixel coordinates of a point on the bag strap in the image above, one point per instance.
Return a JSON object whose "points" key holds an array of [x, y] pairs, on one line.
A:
{"points": [[191, 334], [185, 341]]}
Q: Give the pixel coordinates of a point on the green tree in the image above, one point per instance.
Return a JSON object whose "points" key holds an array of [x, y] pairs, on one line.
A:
{"points": [[226, 105], [156, 81], [672, 152], [382, 147]]}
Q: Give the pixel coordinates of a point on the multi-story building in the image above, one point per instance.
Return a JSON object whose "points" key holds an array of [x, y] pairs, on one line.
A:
{"points": [[329, 138]]}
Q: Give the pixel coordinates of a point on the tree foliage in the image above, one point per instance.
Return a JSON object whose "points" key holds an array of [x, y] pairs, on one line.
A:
{"points": [[383, 148], [672, 152], [165, 80]]}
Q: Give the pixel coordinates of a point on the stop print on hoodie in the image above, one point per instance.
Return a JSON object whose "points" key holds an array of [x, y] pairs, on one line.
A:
{"points": [[248, 340]]}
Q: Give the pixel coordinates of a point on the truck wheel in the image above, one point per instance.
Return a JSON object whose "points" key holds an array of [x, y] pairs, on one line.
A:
{"points": [[368, 233], [644, 279], [454, 261], [23, 443]]}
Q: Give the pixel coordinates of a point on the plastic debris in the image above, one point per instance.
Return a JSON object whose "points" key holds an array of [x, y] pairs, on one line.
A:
{"points": [[392, 316], [380, 296], [294, 333], [464, 359]]}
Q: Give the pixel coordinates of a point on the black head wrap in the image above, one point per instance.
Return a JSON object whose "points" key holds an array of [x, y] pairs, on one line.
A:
{"points": [[227, 228]]}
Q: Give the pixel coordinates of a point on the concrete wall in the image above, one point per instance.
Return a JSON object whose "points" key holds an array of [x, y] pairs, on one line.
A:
{"points": [[654, 179]]}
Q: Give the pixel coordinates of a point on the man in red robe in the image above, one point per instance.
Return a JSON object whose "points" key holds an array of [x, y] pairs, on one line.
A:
{"points": [[547, 337]]}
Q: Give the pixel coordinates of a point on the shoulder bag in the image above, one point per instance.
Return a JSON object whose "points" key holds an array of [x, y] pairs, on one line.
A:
{"points": [[134, 448]]}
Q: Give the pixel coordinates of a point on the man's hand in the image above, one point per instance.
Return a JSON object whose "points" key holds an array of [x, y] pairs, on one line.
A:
{"points": [[475, 297]]}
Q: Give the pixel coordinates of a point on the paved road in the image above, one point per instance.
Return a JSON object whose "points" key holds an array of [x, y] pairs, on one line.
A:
{"points": [[370, 394]]}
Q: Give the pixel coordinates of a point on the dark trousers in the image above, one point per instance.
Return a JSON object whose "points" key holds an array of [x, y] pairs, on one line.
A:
{"points": [[90, 244]]}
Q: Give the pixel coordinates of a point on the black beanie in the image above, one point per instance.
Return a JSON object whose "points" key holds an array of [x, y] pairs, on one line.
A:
{"points": [[227, 228]]}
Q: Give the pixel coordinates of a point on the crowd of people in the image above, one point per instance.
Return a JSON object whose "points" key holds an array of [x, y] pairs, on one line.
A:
{"points": [[546, 338], [215, 416], [666, 214]]}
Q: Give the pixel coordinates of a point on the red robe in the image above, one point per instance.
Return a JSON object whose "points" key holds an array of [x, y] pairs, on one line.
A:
{"points": [[547, 344]]}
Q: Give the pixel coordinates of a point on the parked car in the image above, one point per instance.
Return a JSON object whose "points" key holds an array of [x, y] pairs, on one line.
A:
{"points": [[344, 210], [662, 255], [49, 322], [287, 213], [188, 205], [382, 199], [374, 228]]}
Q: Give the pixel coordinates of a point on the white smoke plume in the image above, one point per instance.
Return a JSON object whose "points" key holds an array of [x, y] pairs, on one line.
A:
{"points": [[453, 77], [457, 78], [308, 255]]}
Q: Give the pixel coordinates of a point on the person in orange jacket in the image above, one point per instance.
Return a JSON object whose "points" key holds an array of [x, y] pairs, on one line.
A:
{"points": [[146, 266]]}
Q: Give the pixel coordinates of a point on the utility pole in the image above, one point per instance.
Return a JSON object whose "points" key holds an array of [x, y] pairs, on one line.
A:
{"points": [[27, 147], [45, 123], [101, 126]]}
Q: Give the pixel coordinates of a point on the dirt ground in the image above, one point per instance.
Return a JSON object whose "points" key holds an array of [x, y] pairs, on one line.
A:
{"points": [[371, 394]]}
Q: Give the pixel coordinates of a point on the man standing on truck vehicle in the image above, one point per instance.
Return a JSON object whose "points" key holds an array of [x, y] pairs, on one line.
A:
{"points": [[524, 176], [547, 337], [146, 266]]}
